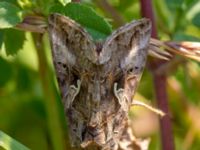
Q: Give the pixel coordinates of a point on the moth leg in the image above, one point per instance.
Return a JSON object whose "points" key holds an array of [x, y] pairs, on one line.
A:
{"points": [[119, 93], [139, 103], [73, 92]]}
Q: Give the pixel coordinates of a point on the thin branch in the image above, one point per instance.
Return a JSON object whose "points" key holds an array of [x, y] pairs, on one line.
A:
{"points": [[139, 103], [30, 28], [35, 24], [185, 48]]}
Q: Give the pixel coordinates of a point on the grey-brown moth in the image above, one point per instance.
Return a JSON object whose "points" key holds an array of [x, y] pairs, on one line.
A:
{"points": [[98, 81]]}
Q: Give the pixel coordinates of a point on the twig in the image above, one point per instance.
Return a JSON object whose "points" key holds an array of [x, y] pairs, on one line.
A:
{"points": [[139, 103], [35, 24], [30, 28], [187, 49]]}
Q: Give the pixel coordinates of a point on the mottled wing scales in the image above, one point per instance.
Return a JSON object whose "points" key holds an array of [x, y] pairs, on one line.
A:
{"points": [[73, 53], [97, 85], [125, 53]]}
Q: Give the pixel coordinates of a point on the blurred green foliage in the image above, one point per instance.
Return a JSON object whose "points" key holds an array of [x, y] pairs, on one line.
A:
{"points": [[30, 106]]}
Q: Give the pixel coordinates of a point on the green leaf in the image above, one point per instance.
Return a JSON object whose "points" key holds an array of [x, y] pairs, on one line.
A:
{"points": [[6, 72], [96, 35], [57, 8], [10, 15], [13, 40], [9, 143], [25, 4], [64, 2], [96, 25], [87, 17], [192, 9]]}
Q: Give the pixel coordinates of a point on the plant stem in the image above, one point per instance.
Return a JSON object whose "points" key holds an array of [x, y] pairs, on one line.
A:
{"points": [[53, 120], [160, 85], [33, 24]]}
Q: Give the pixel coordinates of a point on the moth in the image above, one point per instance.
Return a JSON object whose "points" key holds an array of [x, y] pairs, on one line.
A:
{"points": [[98, 80]]}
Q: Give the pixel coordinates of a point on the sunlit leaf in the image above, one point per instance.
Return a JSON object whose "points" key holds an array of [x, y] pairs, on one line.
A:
{"points": [[9, 143], [192, 9], [64, 2], [10, 15], [25, 3]]}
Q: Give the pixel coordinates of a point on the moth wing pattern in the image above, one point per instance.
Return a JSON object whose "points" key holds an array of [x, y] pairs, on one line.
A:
{"points": [[123, 57], [101, 82], [125, 53], [73, 53]]}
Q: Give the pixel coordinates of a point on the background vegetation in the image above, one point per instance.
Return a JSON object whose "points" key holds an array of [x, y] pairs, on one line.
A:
{"points": [[30, 106]]}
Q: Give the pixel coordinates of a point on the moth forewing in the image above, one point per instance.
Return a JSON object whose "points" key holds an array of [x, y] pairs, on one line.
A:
{"points": [[126, 51], [72, 49], [131, 37], [66, 33]]}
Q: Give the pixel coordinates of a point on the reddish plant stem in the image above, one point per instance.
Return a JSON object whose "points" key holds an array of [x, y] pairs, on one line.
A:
{"points": [[147, 12], [160, 85]]}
